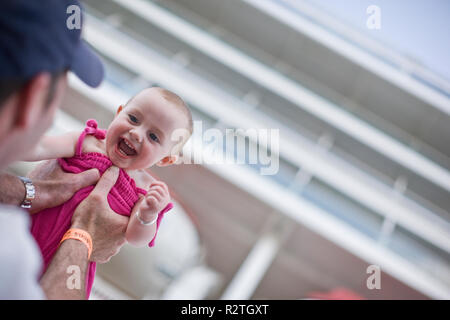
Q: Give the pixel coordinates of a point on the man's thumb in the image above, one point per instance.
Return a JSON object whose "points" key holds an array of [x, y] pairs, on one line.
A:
{"points": [[88, 178], [107, 181]]}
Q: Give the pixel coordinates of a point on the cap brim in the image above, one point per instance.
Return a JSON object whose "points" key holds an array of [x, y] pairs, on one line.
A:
{"points": [[87, 65]]}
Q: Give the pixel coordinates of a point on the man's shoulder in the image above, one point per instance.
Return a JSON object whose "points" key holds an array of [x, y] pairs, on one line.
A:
{"points": [[15, 228], [19, 253], [11, 215]]}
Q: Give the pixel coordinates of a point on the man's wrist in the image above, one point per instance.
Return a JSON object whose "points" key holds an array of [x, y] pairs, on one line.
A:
{"points": [[30, 192], [40, 194], [11, 189], [76, 246], [80, 224], [80, 235]]}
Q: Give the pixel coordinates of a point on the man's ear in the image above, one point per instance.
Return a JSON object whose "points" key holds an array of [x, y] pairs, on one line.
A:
{"points": [[32, 100], [167, 161]]}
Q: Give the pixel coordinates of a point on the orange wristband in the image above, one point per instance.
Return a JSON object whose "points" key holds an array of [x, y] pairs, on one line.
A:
{"points": [[80, 235]]}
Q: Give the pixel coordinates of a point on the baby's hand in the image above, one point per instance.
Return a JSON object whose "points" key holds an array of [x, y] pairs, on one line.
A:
{"points": [[155, 200]]}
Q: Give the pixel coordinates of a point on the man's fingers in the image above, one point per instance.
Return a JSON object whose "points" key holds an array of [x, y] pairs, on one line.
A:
{"points": [[87, 178], [106, 182]]}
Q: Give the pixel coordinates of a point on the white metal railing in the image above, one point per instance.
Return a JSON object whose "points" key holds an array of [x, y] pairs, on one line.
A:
{"points": [[367, 43], [294, 148], [355, 53]]}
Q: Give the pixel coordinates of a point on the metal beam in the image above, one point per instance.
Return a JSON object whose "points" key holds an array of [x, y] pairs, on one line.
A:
{"points": [[348, 179]]}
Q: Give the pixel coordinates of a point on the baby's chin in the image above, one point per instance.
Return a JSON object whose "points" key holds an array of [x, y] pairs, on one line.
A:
{"points": [[118, 162]]}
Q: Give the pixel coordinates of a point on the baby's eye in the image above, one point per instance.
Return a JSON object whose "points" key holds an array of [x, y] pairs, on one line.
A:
{"points": [[132, 118], [153, 137]]}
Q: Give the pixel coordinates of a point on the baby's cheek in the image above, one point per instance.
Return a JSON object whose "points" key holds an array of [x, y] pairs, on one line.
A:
{"points": [[145, 159], [109, 148]]}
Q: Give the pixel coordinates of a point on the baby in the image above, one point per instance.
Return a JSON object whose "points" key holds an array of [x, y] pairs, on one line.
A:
{"points": [[140, 136]]}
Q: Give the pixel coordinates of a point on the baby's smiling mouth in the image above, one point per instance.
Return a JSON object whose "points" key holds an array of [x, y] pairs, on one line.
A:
{"points": [[126, 148]]}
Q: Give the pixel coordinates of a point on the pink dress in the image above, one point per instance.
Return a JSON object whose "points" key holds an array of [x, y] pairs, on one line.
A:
{"points": [[49, 225]]}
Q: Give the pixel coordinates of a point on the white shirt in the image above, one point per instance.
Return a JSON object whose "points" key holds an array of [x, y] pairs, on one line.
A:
{"points": [[20, 258]]}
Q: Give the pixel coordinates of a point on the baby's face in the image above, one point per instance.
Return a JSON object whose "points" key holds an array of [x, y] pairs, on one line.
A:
{"points": [[140, 134]]}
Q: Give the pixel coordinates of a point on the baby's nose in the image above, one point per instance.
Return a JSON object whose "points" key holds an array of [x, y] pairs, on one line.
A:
{"points": [[134, 134]]}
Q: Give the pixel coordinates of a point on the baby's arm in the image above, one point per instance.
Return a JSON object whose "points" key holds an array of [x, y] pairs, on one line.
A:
{"points": [[148, 207], [52, 147]]}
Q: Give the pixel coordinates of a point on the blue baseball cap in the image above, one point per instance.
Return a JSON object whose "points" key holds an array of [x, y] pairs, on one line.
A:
{"points": [[45, 36]]}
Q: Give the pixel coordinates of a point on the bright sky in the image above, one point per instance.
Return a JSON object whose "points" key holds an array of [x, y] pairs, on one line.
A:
{"points": [[417, 28]]}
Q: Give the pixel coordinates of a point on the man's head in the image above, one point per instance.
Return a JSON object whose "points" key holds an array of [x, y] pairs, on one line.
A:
{"points": [[37, 47], [151, 129]]}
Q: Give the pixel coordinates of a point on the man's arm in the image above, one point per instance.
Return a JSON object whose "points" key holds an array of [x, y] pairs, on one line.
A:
{"points": [[20, 259], [107, 230], [69, 261], [53, 186], [12, 190]]}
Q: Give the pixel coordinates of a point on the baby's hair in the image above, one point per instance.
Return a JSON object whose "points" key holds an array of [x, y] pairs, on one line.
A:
{"points": [[182, 106], [179, 103]]}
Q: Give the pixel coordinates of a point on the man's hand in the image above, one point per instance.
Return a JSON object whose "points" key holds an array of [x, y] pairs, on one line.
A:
{"points": [[54, 186], [93, 214]]}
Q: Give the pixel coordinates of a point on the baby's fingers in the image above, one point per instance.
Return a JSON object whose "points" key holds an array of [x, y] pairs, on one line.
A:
{"points": [[160, 184], [153, 197], [161, 191]]}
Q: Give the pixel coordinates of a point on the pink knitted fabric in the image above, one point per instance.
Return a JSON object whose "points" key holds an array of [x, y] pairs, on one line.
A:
{"points": [[49, 225]]}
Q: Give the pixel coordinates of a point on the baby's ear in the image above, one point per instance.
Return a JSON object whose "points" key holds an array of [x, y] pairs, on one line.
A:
{"points": [[167, 161]]}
